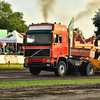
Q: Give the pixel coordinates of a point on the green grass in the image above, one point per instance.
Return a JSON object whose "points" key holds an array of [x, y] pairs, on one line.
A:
{"points": [[47, 82], [11, 66]]}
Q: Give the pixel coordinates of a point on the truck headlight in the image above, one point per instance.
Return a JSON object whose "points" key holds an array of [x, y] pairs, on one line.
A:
{"points": [[48, 60], [26, 60]]}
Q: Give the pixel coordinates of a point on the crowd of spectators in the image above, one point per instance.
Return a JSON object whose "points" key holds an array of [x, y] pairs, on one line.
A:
{"points": [[11, 50]]}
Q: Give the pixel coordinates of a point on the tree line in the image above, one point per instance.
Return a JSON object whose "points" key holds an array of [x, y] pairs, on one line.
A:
{"points": [[11, 20]]}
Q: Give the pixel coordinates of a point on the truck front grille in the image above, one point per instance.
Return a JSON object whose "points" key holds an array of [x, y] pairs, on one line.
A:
{"points": [[36, 60], [36, 53]]}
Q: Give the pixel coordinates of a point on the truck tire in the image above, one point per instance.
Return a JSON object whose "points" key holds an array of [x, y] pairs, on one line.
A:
{"points": [[87, 68], [90, 69], [61, 69], [82, 68], [34, 71]]}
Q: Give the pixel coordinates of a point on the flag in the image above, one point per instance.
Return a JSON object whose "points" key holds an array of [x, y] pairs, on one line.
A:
{"points": [[71, 26]]}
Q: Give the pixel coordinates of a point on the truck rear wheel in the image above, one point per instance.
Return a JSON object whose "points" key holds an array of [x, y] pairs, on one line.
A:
{"points": [[90, 70], [34, 71], [61, 69], [87, 68]]}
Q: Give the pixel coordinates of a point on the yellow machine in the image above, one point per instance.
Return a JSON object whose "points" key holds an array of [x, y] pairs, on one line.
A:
{"points": [[96, 63]]}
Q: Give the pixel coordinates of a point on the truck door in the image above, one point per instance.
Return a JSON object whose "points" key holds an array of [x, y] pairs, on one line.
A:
{"points": [[57, 47]]}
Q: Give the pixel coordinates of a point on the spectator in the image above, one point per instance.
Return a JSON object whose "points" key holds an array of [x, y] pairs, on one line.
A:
{"points": [[1, 50], [12, 50], [22, 49], [19, 51], [97, 53], [7, 49]]}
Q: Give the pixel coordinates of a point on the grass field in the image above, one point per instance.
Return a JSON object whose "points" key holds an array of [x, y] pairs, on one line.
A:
{"points": [[11, 66], [48, 82], [40, 82]]}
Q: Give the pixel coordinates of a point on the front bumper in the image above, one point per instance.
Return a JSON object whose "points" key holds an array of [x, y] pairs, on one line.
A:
{"points": [[40, 65]]}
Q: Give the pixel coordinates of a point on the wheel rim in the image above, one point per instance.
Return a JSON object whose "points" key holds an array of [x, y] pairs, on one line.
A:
{"points": [[91, 69], [61, 68]]}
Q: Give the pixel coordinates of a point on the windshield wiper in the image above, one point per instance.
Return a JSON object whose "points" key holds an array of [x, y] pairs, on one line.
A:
{"points": [[36, 52]]}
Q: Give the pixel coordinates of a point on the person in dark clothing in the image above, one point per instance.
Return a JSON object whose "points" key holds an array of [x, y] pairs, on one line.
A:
{"points": [[12, 50], [7, 49], [19, 51], [97, 53]]}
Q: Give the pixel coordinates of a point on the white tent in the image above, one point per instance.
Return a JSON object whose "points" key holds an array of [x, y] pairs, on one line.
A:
{"points": [[13, 37]]}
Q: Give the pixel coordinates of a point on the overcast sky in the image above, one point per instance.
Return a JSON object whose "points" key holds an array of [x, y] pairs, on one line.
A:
{"points": [[63, 11]]}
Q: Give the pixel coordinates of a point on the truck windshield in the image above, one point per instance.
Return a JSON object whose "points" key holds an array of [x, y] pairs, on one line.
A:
{"points": [[38, 39]]}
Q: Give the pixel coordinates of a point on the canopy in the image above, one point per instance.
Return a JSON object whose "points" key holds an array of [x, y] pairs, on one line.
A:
{"points": [[13, 37]]}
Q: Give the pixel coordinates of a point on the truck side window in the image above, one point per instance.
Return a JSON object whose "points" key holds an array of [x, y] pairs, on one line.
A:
{"points": [[57, 38], [60, 39]]}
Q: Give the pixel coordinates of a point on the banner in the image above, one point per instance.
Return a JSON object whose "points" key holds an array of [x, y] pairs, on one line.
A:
{"points": [[12, 58], [2, 59], [20, 59]]}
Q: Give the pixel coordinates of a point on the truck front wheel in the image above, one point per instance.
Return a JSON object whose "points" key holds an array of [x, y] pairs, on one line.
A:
{"points": [[34, 71], [61, 69]]}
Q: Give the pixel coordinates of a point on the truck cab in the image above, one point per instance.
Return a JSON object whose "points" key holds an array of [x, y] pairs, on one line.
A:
{"points": [[46, 48]]}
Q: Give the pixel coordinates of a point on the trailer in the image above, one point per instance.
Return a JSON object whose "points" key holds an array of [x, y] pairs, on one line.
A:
{"points": [[47, 47]]}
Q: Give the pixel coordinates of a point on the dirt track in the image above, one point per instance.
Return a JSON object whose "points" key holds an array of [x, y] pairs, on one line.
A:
{"points": [[56, 92], [21, 75]]}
